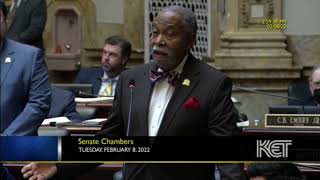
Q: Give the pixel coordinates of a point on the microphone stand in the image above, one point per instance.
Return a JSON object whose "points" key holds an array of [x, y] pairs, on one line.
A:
{"points": [[131, 86], [269, 94], [130, 109]]}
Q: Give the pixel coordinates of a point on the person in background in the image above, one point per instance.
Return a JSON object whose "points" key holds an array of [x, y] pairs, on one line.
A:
{"points": [[25, 88], [307, 93], [26, 21], [314, 86], [115, 56]]}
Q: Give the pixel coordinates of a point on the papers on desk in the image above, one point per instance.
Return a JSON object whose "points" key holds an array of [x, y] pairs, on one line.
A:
{"points": [[243, 124], [94, 121], [64, 121], [56, 120], [95, 100]]}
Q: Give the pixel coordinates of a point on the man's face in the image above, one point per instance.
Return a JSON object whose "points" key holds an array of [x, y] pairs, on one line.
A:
{"points": [[169, 40], [315, 81], [112, 61], [3, 27]]}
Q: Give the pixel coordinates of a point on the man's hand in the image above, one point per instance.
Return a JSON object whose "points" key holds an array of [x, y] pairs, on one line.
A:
{"points": [[35, 171]]}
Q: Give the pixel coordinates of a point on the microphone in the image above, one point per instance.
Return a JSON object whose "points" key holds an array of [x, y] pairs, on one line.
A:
{"points": [[132, 84], [88, 95], [264, 93]]}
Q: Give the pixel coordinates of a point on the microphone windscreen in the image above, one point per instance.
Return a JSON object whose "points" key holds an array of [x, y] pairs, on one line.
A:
{"points": [[132, 83]]}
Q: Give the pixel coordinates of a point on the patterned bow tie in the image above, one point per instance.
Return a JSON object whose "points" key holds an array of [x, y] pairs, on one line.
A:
{"points": [[156, 75]]}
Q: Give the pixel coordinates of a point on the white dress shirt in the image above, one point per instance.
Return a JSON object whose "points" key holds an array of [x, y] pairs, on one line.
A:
{"points": [[161, 95]]}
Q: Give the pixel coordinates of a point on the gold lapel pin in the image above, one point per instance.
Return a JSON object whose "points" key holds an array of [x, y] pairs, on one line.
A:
{"points": [[7, 60], [186, 82]]}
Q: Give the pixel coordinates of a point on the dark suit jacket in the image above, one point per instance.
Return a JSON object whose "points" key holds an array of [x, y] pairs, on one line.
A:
{"points": [[63, 104], [90, 76], [310, 102], [215, 117], [25, 89], [301, 91], [29, 22]]}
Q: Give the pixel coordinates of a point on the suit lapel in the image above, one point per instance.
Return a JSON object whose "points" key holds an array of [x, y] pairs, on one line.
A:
{"points": [[97, 82], [7, 60], [181, 92], [143, 91]]}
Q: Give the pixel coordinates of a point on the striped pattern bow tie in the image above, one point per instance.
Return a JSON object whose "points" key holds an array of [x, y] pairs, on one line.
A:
{"points": [[156, 75]]}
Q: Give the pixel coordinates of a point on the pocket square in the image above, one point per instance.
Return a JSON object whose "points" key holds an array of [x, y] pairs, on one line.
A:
{"points": [[192, 103]]}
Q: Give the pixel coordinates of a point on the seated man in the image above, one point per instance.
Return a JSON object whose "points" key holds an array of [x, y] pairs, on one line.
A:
{"points": [[314, 84], [115, 55], [63, 104], [307, 93]]}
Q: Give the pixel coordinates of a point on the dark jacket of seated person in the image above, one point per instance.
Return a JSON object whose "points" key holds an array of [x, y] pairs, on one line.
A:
{"points": [[63, 104], [90, 76]]}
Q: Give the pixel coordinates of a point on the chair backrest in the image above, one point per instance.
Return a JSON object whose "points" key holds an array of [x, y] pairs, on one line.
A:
{"points": [[298, 90]]}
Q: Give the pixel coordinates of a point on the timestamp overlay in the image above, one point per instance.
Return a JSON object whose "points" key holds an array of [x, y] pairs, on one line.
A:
{"points": [[275, 24]]}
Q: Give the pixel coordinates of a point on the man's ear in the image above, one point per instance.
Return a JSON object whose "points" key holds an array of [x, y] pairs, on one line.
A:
{"points": [[191, 43], [124, 61]]}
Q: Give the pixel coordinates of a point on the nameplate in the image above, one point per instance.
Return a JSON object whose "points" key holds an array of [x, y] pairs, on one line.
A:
{"points": [[292, 120]]}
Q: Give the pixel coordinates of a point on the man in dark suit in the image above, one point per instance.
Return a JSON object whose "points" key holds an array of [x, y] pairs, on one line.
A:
{"points": [[27, 19], [115, 55], [314, 86], [308, 92], [178, 95], [25, 89], [63, 104]]}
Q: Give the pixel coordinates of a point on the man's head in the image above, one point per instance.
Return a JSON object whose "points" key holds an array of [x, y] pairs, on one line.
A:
{"points": [[115, 55], [173, 35], [273, 171], [3, 25], [314, 80]]}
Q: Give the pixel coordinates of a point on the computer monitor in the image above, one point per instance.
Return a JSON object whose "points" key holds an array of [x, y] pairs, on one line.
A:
{"points": [[294, 110], [87, 88]]}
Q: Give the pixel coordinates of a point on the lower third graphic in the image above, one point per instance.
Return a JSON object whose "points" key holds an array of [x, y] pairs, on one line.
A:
{"points": [[273, 148]]}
